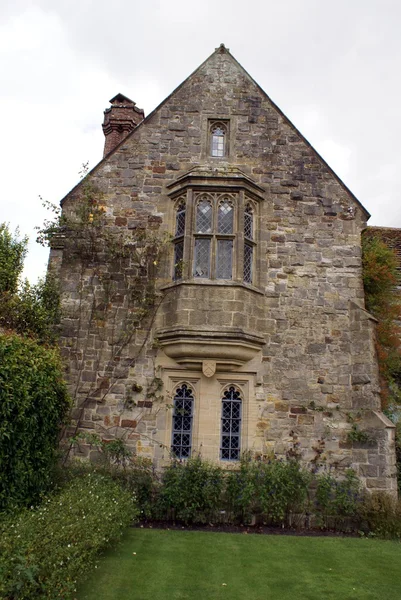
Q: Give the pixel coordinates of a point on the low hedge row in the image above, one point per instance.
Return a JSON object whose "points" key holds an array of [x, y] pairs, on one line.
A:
{"points": [[277, 493], [45, 550]]}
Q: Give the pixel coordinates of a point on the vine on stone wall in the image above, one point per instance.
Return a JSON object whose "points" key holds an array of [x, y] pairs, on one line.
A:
{"points": [[115, 271], [380, 278]]}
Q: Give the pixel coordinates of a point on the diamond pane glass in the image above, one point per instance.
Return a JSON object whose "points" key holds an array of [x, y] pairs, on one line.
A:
{"points": [[248, 222], [204, 216], [202, 258], [178, 256], [182, 422], [248, 260], [231, 425], [224, 259], [225, 217], [180, 220]]}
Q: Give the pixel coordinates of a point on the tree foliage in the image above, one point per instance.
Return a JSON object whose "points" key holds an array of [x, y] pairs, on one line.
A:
{"points": [[12, 254], [27, 309]]}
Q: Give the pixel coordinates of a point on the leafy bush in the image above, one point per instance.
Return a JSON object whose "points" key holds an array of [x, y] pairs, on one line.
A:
{"points": [[33, 404], [381, 515], [143, 481], [43, 551], [337, 499], [273, 490], [191, 491]]}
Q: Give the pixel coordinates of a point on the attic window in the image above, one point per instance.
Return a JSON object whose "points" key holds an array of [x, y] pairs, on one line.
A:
{"points": [[218, 135]]}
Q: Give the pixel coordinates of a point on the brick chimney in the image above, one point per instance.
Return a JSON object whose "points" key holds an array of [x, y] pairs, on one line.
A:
{"points": [[119, 120]]}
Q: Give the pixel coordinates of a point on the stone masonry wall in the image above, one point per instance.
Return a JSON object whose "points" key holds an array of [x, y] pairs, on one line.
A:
{"points": [[317, 372]]}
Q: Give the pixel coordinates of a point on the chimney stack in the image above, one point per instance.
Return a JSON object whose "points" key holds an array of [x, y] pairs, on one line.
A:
{"points": [[119, 120]]}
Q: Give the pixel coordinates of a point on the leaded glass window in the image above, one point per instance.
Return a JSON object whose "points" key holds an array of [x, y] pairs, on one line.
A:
{"points": [[231, 425], [225, 216], [180, 219], [202, 258], [178, 259], [182, 422], [204, 215], [218, 134], [224, 267], [248, 222], [248, 260]]}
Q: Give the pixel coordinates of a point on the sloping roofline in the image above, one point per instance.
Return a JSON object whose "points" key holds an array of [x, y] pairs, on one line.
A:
{"points": [[222, 50]]}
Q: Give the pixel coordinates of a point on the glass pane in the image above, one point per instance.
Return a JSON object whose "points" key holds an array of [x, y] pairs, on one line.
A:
{"points": [[182, 422], [202, 258], [204, 216], [178, 256], [225, 217], [180, 220], [217, 145], [248, 222], [224, 259], [248, 260]]}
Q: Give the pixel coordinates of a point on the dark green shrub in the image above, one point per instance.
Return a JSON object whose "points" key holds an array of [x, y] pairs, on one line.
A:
{"points": [[380, 515], [240, 491], [273, 490], [336, 499], [43, 551], [143, 481], [191, 491], [33, 404]]}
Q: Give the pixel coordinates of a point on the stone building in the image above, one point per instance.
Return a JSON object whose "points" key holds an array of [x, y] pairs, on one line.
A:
{"points": [[255, 336]]}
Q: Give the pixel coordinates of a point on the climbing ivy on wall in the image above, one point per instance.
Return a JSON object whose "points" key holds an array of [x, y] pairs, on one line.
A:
{"points": [[114, 271], [383, 301]]}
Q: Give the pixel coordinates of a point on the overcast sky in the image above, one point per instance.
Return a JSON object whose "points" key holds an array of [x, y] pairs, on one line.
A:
{"points": [[333, 67]]}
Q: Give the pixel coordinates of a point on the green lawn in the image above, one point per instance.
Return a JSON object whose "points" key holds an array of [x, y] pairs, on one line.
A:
{"points": [[190, 565]]}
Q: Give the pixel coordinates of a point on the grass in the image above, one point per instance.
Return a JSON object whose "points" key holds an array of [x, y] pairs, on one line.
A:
{"points": [[191, 565]]}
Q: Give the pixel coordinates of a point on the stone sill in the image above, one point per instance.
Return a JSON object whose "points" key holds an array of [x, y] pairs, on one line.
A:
{"points": [[213, 283]]}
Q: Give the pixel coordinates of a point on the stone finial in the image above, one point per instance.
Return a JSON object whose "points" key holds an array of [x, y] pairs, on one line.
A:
{"points": [[119, 120], [222, 49]]}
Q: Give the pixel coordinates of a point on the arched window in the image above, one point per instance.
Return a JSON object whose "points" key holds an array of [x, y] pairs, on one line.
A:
{"points": [[182, 422], [218, 139], [248, 243], [231, 424], [179, 239]]}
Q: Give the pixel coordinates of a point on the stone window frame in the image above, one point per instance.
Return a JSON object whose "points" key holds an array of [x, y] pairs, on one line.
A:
{"points": [[184, 244], [210, 390]]}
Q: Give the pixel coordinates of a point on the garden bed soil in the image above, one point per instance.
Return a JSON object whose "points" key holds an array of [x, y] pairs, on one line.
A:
{"points": [[246, 529]]}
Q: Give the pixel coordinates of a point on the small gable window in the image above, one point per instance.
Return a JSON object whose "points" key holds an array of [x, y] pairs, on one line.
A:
{"points": [[218, 134]]}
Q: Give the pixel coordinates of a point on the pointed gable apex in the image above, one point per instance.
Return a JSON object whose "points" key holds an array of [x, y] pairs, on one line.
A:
{"points": [[223, 50]]}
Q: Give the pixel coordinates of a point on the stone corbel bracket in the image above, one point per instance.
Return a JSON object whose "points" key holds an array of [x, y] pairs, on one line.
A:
{"points": [[228, 348]]}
